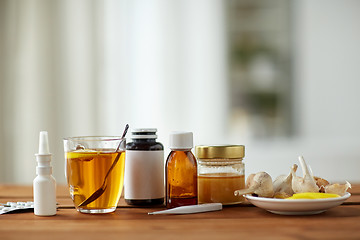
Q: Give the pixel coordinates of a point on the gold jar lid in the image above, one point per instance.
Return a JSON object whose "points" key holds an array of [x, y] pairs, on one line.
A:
{"points": [[221, 151]]}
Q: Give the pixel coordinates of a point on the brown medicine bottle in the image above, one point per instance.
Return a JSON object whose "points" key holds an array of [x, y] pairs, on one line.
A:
{"points": [[181, 171]]}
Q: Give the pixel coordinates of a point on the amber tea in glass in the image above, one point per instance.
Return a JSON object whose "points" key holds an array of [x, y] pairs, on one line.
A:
{"points": [[95, 172]]}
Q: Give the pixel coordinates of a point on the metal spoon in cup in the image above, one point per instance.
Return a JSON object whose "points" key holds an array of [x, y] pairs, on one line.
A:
{"points": [[102, 189]]}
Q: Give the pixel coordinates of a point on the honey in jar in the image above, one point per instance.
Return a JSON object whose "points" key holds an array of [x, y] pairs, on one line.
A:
{"points": [[220, 172]]}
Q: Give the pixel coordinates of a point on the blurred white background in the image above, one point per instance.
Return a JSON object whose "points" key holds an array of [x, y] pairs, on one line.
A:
{"points": [[78, 67]]}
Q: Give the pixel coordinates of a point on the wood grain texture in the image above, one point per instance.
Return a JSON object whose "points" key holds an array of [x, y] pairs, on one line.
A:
{"points": [[233, 222]]}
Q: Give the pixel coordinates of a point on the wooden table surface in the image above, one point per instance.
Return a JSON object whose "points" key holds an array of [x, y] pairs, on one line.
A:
{"points": [[234, 222]]}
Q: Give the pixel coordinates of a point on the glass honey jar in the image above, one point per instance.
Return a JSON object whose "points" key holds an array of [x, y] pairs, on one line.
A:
{"points": [[221, 171]]}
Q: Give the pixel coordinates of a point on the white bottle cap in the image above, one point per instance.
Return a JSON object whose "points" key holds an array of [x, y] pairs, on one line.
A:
{"points": [[181, 140]]}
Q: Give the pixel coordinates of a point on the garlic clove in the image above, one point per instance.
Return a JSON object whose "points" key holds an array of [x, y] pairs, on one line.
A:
{"points": [[337, 188], [306, 183], [278, 182], [283, 184], [296, 181]]}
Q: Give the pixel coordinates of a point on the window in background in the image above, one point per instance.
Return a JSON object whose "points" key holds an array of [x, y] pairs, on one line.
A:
{"points": [[259, 68]]}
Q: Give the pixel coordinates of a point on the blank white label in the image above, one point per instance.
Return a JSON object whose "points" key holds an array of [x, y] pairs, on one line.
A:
{"points": [[144, 175]]}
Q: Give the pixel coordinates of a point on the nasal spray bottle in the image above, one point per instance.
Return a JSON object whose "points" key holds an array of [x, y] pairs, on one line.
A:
{"points": [[44, 184]]}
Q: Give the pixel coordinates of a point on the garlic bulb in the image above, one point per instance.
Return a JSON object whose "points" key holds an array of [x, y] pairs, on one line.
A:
{"points": [[283, 184], [305, 184], [249, 180], [259, 183], [336, 188]]}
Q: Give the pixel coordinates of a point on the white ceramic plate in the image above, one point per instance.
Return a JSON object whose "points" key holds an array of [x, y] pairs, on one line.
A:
{"points": [[296, 206]]}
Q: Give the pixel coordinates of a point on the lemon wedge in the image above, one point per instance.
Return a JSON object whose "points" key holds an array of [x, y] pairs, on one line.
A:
{"points": [[311, 195], [81, 154]]}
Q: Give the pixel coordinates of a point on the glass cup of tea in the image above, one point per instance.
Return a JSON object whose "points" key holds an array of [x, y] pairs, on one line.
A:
{"points": [[94, 169]]}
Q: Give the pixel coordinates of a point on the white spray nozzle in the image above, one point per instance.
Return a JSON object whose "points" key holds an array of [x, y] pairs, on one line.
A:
{"points": [[44, 143]]}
